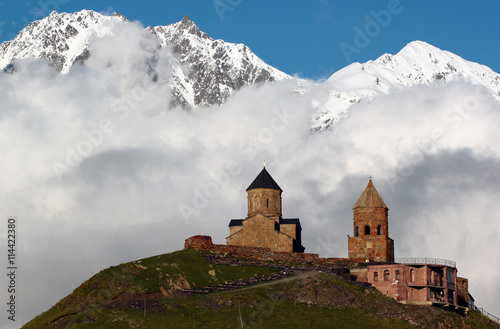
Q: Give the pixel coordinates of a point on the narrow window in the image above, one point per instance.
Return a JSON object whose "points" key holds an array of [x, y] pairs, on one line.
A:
{"points": [[367, 230], [356, 231], [268, 203], [412, 276], [375, 276], [387, 275], [397, 274], [379, 230]]}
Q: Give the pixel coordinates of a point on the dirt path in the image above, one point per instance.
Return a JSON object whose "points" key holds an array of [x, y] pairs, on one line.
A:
{"points": [[293, 276]]}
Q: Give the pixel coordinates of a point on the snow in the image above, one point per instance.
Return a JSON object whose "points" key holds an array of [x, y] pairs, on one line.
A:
{"points": [[417, 63], [223, 64]]}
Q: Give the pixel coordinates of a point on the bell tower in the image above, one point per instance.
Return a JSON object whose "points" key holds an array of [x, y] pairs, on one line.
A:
{"points": [[264, 196], [371, 228]]}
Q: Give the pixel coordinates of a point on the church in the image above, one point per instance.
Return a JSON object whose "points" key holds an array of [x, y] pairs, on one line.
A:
{"points": [[264, 225], [420, 281]]}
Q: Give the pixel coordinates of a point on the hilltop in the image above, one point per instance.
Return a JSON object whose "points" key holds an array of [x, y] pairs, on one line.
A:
{"points": [[167, 291]]}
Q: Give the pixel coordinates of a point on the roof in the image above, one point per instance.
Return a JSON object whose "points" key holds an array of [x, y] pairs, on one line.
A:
{"points": [[236, 222], [289, 221], [264, 180], [284, 221], [370, 198], [239, 222]]}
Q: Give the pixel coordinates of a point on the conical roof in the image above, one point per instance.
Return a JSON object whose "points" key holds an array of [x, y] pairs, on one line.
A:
{"points": [[370, 198], [264, 180]]}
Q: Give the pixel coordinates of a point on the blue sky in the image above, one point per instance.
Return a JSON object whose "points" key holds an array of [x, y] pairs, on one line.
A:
{"points": [[305, 37]]}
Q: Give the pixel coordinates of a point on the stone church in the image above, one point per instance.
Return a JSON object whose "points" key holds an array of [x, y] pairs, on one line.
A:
{"points": [[264, 225], [371, 228], [419, 281]]}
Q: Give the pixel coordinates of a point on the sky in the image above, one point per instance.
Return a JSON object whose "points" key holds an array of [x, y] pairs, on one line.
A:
{"points": [[305, 38], [149, 177]]}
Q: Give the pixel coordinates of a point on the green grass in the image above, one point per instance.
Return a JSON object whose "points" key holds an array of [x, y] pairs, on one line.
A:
{"points": [[317, 302], [184, 268], [258, 310]]}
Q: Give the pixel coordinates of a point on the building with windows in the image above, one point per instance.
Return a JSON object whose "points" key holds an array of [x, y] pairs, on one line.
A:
{"points": [[264, 225], [418, 281], [371, 239]]}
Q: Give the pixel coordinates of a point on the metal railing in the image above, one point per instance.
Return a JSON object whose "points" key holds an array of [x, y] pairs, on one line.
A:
{"points": [[487, 314], [426, 261]]}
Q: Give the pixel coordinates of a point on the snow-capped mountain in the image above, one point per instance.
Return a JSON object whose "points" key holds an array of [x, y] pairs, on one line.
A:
{"points": [[207, 71], [417, 63], [204, 71], [61, 39], [211, 70]]}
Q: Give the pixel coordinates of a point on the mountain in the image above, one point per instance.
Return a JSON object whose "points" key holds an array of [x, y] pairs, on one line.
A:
{"points": [[189, 288], [418, 63], [60, 39], [204, 71], [211, 70]]}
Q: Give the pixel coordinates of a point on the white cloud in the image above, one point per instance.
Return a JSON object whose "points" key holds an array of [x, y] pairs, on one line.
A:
{"points": [[95, 167]]}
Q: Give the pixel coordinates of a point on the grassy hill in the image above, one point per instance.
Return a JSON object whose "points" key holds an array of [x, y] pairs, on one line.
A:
{"points": [[148, 293]]}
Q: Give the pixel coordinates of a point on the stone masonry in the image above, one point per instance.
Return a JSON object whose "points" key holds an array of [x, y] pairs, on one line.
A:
{"points": [[264, 225], [371, 228]]}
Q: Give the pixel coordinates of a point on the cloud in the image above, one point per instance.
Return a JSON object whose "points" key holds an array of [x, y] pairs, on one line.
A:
{"points": [[98, 170]]}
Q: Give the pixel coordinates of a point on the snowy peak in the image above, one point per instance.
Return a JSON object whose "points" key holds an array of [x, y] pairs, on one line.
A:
{"points": [[61, 38], [210, 70], [204, 71], [417, 63]]}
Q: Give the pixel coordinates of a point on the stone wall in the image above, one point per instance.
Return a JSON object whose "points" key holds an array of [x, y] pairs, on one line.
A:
{"points": [[260, 231], [378, 248], [204, 242]]}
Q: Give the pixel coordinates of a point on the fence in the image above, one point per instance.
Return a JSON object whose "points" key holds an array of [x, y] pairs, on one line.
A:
{"points": [[427, 261], [487, 314]]}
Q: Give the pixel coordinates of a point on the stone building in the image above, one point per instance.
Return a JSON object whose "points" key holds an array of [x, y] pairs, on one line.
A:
{"points": [[265, 233], [417, 281], [264, 225], [464, 297], [371, 228]]}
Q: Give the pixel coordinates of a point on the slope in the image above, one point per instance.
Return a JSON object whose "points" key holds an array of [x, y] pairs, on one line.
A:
{"points": [[418, 63], [154, 293], [204, 71]]}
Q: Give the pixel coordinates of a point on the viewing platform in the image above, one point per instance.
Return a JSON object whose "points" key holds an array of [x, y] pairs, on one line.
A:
{"points": [[426, 261]]}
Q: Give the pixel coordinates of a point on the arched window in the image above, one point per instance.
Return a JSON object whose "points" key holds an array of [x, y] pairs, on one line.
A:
{"points": [[379, 230], [397, 274], [367, 230], [375, 276], [387, 275], [356, 231], [412, 276]]}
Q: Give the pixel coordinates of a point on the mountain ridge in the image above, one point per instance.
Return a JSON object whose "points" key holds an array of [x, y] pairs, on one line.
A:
{"points": [[206, 71], [418, 63]]}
